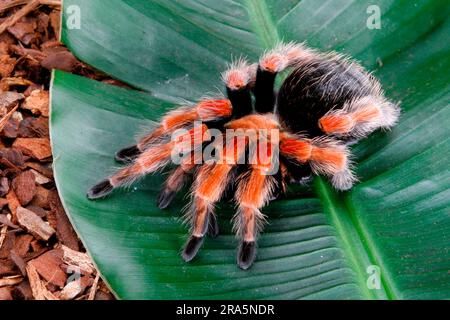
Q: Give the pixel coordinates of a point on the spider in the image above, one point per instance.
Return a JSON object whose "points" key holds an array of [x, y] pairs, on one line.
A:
{"points": [[326, 103]]}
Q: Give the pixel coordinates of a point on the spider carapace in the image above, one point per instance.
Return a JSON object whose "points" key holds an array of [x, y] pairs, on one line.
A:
{"points": [[323, 104]]}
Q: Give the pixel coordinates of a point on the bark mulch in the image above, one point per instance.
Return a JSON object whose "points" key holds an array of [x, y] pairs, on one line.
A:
{"points": [[41, 257]]}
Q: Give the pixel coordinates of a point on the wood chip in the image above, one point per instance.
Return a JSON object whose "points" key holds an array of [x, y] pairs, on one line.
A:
{"points": [[64, 230], [3, 232], [38, 210], [5, 83], [37, 102], [22, 291], [39, 178], [41, 199], [71, 290], [24, 186], [61, 60], [3, 202], [38, 288], [7, 65], [6, 118], [19, 262], [94, 287], [4, 186], [33, 128], [34, 224], [9, 98], [5, 294], [4, 219], [10, 21], [12, 158], [7, 267], [10, 281], [22, 244], [38, 148], [78, 259], [24, 30], [44, 170], [48, 266], [13, 202]]}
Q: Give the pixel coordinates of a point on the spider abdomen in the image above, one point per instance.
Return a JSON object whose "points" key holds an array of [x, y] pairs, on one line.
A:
{"points": [[319, 85]]}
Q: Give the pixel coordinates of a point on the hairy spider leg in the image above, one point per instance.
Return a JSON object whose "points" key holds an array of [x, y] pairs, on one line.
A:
{"points": [[150, 160], [206, 110], [325, 156], [360, 117], [237, 80], [270, 64], [207, 189], [255, 189], [177, 179]]}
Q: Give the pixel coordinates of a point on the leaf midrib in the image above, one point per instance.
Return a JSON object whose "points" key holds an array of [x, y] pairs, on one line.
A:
{"points": [[267, 33]]}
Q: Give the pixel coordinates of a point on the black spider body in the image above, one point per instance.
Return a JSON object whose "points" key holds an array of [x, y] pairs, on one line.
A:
{"points": [[325, 101], [314, 88]]}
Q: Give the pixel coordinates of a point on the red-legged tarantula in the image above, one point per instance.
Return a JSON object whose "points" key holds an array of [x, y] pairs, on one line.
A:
{"points": [[325, 102]]}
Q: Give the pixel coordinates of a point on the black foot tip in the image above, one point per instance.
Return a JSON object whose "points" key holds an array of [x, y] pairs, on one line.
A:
{"points": [[246, 254], [191, 248], [213, 226], [127, 154], [100, 190], [165, 198]]}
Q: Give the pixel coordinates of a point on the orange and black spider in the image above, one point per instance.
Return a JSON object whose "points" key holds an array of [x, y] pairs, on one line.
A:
{"points": [[326, 102]]}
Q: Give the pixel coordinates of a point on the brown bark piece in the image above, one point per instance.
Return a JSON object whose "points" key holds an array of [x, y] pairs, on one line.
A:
{"points": [[7, 267], [48, 266], [4, 186], [24, 186], [5, 220], [37, 102], [13, 203], [38, 148], [78, 259], [61, 60], [22, 244], [3, 202], [19, 262], [75, 288], [9, 98], [5, 293], [12, 158], [10, 281], [33, 128], [38, 288], [41, 199], [24, 30], [55, 21], [44, 170], [22, 291], [64, 230], [7, 65], [39, 178], [38, 210], [34, 224]]}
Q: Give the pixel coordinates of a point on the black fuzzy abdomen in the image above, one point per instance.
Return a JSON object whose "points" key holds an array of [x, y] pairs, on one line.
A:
{"points": [[312, 89]]}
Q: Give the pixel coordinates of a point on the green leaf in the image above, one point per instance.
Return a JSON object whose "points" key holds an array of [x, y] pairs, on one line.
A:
{"points": [[319, 244]]}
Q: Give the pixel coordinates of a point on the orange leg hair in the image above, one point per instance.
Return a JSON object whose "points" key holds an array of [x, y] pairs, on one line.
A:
{"points": [[205, 110], [176, 180], [150, 161], [207, 189], [360, 117], [324, 155], [255, 189]]}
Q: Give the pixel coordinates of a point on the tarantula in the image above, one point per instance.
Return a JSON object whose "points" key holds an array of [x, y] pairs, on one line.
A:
{"points": [[325, 103]]}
